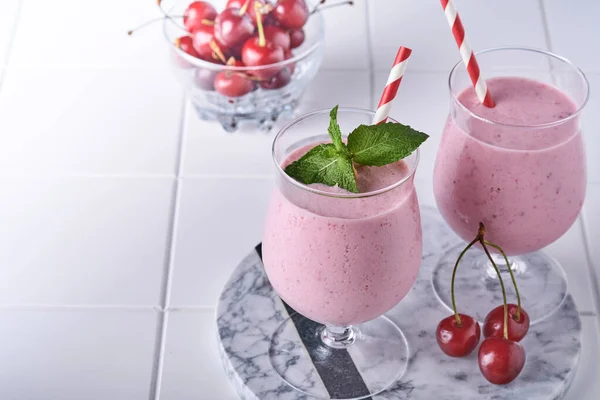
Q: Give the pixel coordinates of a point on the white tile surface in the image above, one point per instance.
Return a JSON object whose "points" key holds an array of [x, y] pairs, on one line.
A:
{"points": [[428, 116], [591, 126], [75, 33], [8, 18], [591, 216], [76, 354], [89, 121], [346, 39], [192, 367], [72, 241], [570, 252], [574, 31], [422, 26], [219, 222], [249, 152], [586, 385]]}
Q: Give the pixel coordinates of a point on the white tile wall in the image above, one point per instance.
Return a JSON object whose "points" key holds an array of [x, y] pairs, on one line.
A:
{"points": [[573, 31], [8, 18], [219, 220], [346, 39], [591, 122], [591, 216], [96, 241], [75, 33], [89, 121], [121, 213], [76, 354], [249, 152], [422, 26], [190, 357]]}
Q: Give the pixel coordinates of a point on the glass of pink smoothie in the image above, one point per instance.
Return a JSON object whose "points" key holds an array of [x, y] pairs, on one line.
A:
{"points": [[340, 260], [519, 168]]}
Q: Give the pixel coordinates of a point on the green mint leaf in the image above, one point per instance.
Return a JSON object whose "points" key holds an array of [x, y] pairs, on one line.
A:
{"points": [[382, 144], [324, 164], [335, 132]]}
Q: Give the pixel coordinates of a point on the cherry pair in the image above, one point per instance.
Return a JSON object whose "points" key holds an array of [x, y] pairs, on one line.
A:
{"points": [[501, 358]]}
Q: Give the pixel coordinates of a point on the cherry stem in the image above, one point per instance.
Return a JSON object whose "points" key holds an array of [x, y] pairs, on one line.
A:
{"points": [[162, 10], [321, 7], [487, 252], [217, 51], [512, 277], [245, 7], [458, 321], [153, 20], [314, 10], [262, 42]]}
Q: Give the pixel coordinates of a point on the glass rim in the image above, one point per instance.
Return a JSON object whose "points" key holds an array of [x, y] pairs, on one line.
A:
{"points": [[576, 69], [300, 185], [197, 62]]}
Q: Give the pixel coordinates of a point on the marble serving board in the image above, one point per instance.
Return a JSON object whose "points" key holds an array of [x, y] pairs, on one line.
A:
{"points": [[249, 311]]}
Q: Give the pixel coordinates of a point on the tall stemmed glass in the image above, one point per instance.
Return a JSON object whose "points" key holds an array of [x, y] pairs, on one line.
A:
{"points": [[524, 180], [341, 261]]}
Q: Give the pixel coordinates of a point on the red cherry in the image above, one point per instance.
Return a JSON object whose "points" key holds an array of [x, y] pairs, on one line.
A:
{"points": [[185, 43], [233, 84], [235, 52], [196, 12], [494, 323], [278, 36], [500, 360], [249, 8], [292, 66], [296, 37], [256, 54], [455, 340], [278, 81], [205, 79], [233, 28], [202, 37], [291, 14]]}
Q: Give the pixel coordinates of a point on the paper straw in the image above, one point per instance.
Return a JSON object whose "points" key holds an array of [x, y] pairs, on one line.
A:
{"points": [[466, 52], [391, 87]]}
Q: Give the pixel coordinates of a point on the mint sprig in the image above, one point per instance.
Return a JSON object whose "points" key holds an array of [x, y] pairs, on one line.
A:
{"points": [[372, 145]]}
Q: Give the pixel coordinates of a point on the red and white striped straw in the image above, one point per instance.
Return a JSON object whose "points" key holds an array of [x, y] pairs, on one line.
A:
{"points": [[391, 87], [466, 52]]}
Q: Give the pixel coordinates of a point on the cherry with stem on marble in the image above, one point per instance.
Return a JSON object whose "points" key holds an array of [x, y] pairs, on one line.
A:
{"points": [[500, 357]]}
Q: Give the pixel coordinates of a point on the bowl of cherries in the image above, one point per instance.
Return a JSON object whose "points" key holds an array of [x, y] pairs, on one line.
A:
{"points": [[250, 62]]}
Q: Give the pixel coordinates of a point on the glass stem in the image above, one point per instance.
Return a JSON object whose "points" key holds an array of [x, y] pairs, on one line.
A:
{"points": [[338, 337], [515, 266]]}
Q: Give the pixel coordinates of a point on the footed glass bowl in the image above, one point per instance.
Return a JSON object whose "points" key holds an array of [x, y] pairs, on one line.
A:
{"points": [[261, 106]]}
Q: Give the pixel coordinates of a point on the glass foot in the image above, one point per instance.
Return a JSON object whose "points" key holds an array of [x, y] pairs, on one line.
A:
{"points": [[541, 280], [348, 363]]}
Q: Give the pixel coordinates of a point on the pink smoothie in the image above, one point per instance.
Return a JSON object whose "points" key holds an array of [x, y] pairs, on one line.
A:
{"points": [[526, 185], [344, 261]]}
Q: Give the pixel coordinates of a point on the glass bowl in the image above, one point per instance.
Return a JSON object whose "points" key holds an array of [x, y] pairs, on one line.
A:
{"points": [[262, 106]]}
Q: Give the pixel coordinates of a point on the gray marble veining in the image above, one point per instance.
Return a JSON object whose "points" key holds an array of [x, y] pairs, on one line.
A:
{"points": [[249, 312]]}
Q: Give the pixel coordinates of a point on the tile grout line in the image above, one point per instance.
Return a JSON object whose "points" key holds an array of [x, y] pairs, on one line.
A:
{"points": [[370, 57], [75, 307], [161, 329], [546, 28], [12, 35]]}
